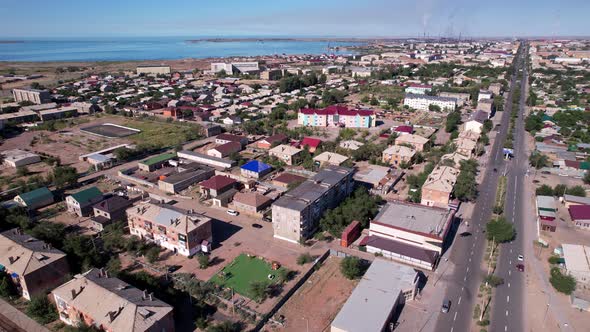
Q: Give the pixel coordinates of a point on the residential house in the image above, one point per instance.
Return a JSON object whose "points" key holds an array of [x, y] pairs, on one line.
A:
{"points": [[110, 304], [580, 215], [226, 138], [286, 180], [330, 158], [312, 144], [285, 153], [35, 199], [397, 154], [437, 189], [217, 185], [251, 202], [476, 121], [351, 145], [267, 143], [255, 169], [181, 231], [81, 203], [417, 142], [225, 150], [33, 265], [109, 210]]}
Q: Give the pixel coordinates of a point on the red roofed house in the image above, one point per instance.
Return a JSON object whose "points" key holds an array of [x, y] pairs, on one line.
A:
{"points": [[336, 116], [217, 185], [580, 215], [269, 141], [311, 143], [402, 130]]}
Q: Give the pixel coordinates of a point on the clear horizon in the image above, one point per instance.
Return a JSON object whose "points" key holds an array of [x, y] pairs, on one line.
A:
{"points": [[306, 18]]}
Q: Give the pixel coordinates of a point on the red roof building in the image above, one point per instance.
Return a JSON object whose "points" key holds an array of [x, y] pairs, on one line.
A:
{"points": [[311, 143], [580, 212], [217, 185]]}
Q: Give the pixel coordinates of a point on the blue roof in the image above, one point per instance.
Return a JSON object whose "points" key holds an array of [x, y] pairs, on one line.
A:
{"points": [[256, 166]]}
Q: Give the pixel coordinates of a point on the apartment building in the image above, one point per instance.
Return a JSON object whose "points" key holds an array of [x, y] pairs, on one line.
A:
{"points": [[336, 116], [153, 70], [422, 102], [181, 231], [462, 98], [33, 265], [296, 215], [437, 189], [110, 304], [33, 95], [249, 67]]}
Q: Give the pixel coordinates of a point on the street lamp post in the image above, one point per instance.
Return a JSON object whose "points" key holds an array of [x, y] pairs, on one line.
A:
{"points": [[306, 323]]}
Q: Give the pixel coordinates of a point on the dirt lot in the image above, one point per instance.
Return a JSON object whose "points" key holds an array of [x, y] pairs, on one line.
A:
{"points": [[318, 301]]}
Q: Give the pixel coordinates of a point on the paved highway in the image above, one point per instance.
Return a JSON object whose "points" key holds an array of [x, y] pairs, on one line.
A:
{"points": [[508, 312], [467, 252]]}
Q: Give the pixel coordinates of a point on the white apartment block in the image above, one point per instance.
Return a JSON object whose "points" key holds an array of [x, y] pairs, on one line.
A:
{"points": [[422, 102]]}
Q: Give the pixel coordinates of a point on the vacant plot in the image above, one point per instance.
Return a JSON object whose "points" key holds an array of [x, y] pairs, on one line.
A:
{"points": [[316, 303], [242, 271], [110, 130], [162, 134]]}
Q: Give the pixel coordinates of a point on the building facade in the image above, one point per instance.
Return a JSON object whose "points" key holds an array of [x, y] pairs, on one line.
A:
{"points": [[32, 95], [336, 116], [181, 231], [422, 102], [296, 215]]}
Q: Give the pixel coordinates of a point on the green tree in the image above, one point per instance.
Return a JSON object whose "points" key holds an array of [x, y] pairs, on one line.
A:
{"points": [[465, 188], [538, 160], [203, 261], [226, 327], [494, 280], [434, 108], [352, 267], [561, 282], [304, 259], [152, 254], [41, 310], [7, 288], [576, 191], [500, 230], [64, 176], [22, 171], [259, 290], [544, 190], [453, 121]]}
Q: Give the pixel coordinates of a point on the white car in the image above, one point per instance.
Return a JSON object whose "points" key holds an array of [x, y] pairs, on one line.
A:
{"points": [[520, 258], [232, 212]]}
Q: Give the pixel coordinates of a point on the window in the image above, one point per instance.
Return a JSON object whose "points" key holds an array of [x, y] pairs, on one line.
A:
{"points": [[182, 237], [162, 229], [147, 224]]}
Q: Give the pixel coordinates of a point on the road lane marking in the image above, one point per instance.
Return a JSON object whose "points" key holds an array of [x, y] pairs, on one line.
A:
{"points": [[462, 288], [459, 300], [508, 285], [506, 312], [510, 262], [469, 259], [467, 270], [505, 328], [509, 272], [510, 250], [455, 318], [465, 278], [507, 298]]}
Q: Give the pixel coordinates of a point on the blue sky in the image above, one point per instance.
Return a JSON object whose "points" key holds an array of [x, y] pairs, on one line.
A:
{"points": [[363, 18]]}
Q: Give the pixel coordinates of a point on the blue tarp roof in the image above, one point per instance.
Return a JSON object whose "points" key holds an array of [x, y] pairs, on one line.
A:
{"points": [[255, 166]]}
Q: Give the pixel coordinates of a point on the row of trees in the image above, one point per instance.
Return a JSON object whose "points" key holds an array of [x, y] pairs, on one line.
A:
{"points": [[560, 190], [359, 206]]}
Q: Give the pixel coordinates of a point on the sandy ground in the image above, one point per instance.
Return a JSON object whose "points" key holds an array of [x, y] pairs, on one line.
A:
{"points": [[317, 302]]}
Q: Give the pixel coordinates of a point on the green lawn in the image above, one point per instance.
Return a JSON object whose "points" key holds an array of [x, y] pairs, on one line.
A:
{"points": [[242, 271]]}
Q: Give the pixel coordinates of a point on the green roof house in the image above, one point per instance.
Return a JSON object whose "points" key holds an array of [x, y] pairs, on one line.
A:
{"points": [[35, 199], [81, 202]]}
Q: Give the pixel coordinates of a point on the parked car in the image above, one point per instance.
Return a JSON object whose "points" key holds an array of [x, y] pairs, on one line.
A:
{"points": [[520, 267], [256, 225], [520, 258], [232, 212]]}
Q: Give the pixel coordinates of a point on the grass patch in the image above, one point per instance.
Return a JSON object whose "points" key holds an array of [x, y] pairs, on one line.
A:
{"points": [[162, 134], [500, 195], [242, 272]]}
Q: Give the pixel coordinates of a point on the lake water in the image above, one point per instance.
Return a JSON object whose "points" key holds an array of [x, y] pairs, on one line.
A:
{"points": [[122, 49]]}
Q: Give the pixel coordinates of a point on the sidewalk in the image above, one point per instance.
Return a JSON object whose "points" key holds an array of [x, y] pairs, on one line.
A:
{"points": [[12, 319]]}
